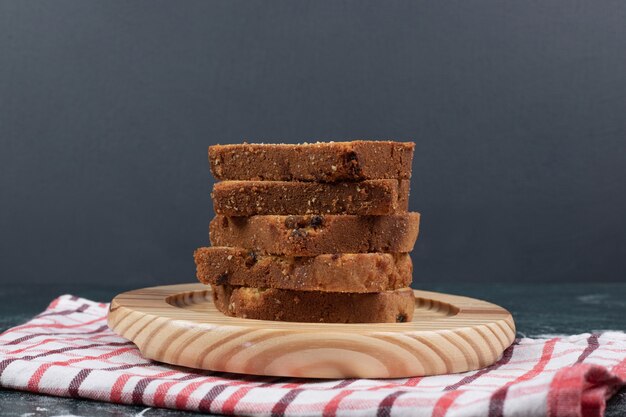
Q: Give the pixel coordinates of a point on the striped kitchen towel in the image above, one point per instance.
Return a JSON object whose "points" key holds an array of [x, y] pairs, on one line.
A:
{"points": [[68, 350]]}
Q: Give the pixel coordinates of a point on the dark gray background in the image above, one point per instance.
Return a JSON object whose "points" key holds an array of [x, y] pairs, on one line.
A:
{"points": [[518, 110]]}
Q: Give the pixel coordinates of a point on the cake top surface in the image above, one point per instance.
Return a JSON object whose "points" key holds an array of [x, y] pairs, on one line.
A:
{"points": [[321, 143]]}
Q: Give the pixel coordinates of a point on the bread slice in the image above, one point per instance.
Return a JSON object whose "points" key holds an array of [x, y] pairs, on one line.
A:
{"points": [[285, 305], [370, 197], [322, 161], [310, 235], [341, 272]]}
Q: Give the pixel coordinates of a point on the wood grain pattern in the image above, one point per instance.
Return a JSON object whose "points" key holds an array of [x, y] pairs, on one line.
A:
{"points": [[179, 325]]}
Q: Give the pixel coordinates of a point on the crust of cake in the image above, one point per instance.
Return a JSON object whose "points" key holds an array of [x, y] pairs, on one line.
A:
{"points": [[318, 307], [313, 234], [321, 162], [339, 272], [370, 197]]}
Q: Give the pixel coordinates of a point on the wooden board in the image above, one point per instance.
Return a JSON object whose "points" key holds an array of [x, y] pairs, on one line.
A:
{"points": [[179, 325]]}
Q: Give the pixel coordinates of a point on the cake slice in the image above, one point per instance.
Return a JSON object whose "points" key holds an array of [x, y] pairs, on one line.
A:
{"points": [[340, 272], [285, 305], [369, 197], [322, 162], [310, 235]]}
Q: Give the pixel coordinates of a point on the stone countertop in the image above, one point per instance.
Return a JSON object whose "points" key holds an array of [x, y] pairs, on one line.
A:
{"points": [[538, 310]]}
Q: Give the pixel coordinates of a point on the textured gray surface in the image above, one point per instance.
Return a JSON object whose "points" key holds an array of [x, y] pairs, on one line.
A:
{"points": [[549, 309], [517, 108]]}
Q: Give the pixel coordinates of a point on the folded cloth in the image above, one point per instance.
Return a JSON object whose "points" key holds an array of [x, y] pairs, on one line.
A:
{"points": [[68, 350]]}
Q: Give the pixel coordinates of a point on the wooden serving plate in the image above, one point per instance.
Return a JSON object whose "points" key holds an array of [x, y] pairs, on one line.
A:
{"points": [[179, 325]]}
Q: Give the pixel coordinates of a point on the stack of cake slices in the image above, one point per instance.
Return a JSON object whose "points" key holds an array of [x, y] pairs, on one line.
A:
{"points": [[315, 232]]}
